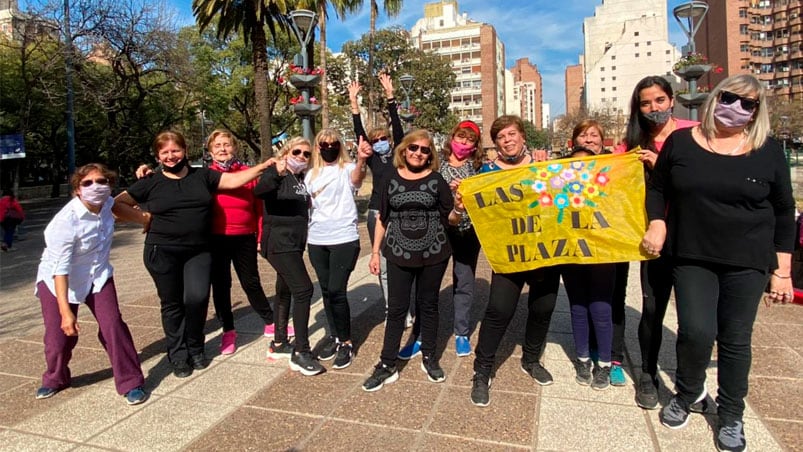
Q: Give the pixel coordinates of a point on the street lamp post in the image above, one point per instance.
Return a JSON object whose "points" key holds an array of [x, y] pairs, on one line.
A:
{"points": [[407, 82], [303, 22], [784, 134], [693, 13]]}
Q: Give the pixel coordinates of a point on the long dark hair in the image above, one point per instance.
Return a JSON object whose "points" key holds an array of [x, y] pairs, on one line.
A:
{"points": [[639, 130]]}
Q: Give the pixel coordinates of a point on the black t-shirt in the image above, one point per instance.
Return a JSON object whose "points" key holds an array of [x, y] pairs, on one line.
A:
{"points": [[180, 208], [286, 214], [734, 210], [415, 214], [381, 165]]}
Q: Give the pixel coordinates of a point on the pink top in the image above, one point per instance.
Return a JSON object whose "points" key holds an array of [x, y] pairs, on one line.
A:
{"points": [[9, 203], [237, 211], [679, 124]]}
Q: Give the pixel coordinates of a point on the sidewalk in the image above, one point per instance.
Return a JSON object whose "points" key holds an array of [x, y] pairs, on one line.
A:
{"points": [[246, 402]]}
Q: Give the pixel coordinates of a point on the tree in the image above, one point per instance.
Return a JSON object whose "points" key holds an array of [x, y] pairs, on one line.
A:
{"points": [[250, 18], [536, 138]]}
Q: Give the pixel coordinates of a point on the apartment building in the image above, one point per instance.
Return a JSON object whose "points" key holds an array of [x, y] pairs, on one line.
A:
{"points": [[527, 91], [574, 79]]}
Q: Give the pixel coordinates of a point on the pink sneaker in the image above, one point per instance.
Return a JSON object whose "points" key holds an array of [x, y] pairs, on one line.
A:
{"points": [[271, 332], [227, 343]]}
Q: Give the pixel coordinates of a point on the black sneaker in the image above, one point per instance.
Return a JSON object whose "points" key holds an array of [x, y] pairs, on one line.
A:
{"points": [[198, 362], [702, 404], [382, 375], [601, 378], [433, 370], [329, 350], [647, 392], [676, 414], [305, 363], [182, 370], [345, 352], [480, 389], [538, 372], [280, 351], [583, 370], [730, 437]]}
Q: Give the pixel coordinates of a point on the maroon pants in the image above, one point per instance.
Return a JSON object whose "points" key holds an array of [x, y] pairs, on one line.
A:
{"points": [[113, 334]]}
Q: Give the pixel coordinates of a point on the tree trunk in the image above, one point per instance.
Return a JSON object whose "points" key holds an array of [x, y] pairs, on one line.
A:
{"points": [[324, 84], [260, 56]]}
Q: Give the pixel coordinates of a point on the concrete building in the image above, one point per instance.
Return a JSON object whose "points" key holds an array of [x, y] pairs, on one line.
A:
{"points": [[527, 87], [478, 59], [625, 41], [574, 77], [546, 116], [762, 37], [17, 26]]}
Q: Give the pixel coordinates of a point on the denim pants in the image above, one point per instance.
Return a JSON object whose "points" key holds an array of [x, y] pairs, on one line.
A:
{"points": [[590, 289], [716, 302], [466, 251], [333, 265], [292, 283]]}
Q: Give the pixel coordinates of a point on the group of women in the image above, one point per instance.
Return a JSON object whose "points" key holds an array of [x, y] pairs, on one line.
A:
{"points": [[721, 229]]}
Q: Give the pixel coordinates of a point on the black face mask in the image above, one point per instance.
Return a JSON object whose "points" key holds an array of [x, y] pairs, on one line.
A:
{"points": [[175, 169], [330, 155], [416, 169]]}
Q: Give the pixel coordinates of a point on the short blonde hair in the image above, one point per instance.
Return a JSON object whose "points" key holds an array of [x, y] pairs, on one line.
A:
{"points": [[291, 143], [222, 133], [743, 85], [419, 134], [330, 136]]}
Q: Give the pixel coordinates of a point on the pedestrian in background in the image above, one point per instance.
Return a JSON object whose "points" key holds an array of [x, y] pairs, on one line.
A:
{"points": [[11, 215]]}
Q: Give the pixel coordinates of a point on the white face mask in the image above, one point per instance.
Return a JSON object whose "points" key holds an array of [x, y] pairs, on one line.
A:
{"points": [[96, 194], [295, 166]]}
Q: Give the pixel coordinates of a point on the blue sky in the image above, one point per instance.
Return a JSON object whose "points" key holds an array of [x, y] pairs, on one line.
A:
{"points": [[547, 32]]}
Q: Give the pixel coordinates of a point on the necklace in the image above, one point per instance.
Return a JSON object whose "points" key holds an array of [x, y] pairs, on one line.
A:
{"points": [[738, 146]]}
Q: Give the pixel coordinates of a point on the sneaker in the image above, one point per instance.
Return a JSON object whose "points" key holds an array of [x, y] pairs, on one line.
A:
{"points": [[409, 321], [45, 393], [618, 375], [228, 343], [676, 414], [601, 378], [280, 351], [462, 346], [701, 405], [433, 370], [730, 437], [270, 331], [136, 396], [647, 392], [345, 353], [410, 351], [382, 375], [198, 362], [583, 371], [305, 363], [182, 370], [538, 372], [329, 350], [480, 389]]}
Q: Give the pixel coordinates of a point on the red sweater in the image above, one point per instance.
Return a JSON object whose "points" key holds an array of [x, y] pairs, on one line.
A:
{"points": [[9, 203], [237, 211]]}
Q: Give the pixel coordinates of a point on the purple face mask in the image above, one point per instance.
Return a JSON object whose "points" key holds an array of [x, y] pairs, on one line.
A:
{"points": [[732, 115]]}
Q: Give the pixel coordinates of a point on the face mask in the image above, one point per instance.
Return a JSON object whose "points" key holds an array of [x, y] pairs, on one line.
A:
{"points": [[658, 117], [381, 147], [330, 155], [225, 166], [732, 115], [462, 151], [514, 159], [175, 169], [96, 194], [295, 166]]}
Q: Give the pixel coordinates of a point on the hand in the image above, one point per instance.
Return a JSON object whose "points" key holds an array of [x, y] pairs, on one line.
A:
{"points": [[354, 89], [69, 324], [364, 149], [654, 238], [454, 185], [781, 291], [540, 155], [146, 226], [387, 84], [143, 171], [281, 166], [373, 264], [458, 201], [648, 157]]}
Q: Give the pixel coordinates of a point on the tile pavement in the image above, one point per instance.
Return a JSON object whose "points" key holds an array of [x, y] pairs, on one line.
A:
{"points": [[248, 402]]}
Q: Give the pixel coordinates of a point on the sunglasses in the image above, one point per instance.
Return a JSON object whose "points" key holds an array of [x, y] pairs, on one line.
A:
{"points": [[297, 152], [99, 181], [727, 98], [333, 145], [378, 139], [426, 150]]}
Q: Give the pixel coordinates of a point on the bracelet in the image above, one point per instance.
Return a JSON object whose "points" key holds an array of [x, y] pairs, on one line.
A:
{"points": [[374, 252], [459, 213], [781, 277]]}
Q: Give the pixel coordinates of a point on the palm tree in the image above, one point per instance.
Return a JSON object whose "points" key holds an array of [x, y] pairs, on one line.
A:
{"points": [[250, 18], [392, 8]]}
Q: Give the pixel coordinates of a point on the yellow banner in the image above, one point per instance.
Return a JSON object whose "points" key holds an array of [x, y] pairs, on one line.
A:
{"points": [[573, 211]]}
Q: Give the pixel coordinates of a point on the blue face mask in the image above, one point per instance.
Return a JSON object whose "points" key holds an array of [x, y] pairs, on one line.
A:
{"points": [[381, 147]]}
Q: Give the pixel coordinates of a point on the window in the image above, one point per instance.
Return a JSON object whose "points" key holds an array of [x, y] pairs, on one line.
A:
{"points": [[613, 78], [649, 53], [613, 99], [649, 43], [667, 52], [743, 12], [613, 57], [613, 88], [602, 79], [636, 55], [744, 47], [602, 69], [635, 33], [743, 29], [613, 68], [602, 89], [636, 44]]}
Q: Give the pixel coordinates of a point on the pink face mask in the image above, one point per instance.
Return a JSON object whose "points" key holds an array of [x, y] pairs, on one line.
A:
{"points": [[462, 151]]}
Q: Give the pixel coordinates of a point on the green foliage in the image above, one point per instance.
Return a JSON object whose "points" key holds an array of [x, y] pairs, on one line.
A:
{"points": [[536, 139]]}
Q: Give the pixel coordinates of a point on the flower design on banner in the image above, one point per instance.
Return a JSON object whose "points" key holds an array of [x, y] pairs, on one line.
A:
{"points": [[571, 185]]}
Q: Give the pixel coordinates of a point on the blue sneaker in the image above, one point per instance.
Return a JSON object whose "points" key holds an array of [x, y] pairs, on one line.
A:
{"points": [[410, 351], [618, 375], [136, 396], [462, 346]]}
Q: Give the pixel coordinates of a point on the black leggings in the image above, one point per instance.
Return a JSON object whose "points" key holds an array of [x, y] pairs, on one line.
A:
{"points": [[656, 287], [333, 264], [292, 282]]}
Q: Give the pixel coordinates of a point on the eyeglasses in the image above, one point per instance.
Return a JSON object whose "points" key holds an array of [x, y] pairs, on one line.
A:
{"points": [[333, 145], [99, 181], [297, 152], [426, 150], [378, 139], [727, 98]]}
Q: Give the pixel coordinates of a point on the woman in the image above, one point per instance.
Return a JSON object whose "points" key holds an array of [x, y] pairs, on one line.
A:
{"points": [[650, 124], [75, 270], [334, 243], [507, 132], [11, 215], [414, 212], [720, 205], [179, 201], [236, 221], [284, 236]]}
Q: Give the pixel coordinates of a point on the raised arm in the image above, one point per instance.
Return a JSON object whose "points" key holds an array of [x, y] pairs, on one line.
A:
{"points": [[395, 121], [354, 90], [229, 181], [363, 152]]}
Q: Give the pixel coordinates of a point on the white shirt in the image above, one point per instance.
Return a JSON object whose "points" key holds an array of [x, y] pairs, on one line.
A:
{"points": [[77, 244], [333, 216]]}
